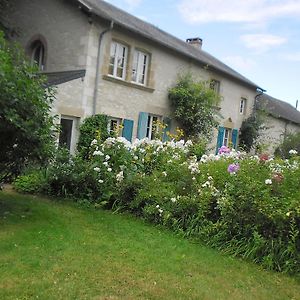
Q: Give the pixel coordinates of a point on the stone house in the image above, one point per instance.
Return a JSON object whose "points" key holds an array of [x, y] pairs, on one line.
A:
{"points": [[280, 118], [104, 60]]}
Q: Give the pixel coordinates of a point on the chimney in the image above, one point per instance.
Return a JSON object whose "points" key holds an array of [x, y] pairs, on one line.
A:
{"points": [[195, 42]]}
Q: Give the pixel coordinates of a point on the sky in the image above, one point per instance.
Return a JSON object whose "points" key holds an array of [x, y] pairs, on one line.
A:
{"points": [[258, 38]]}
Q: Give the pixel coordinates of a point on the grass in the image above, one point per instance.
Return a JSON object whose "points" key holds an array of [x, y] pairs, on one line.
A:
{"points": [[55, 250]]}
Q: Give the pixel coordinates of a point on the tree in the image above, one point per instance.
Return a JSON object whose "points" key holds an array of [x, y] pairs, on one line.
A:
{"points": [[193, 104], [26, 127]]}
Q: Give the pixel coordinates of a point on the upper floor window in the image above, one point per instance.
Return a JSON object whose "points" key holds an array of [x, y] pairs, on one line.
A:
{"points": [[38, 54], [140, 67], [118, 60], [215, 86], [243, 106]]}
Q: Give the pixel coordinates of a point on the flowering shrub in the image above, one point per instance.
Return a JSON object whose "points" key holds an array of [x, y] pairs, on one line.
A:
{"points": [[244, 205]]}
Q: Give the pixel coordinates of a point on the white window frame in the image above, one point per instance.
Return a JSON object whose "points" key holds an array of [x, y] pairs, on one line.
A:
{"points": [[74, 135], [227, 137], [111, 120], [150, 126], [119, 52], [140, 65], [38, 46], [243, 103]]}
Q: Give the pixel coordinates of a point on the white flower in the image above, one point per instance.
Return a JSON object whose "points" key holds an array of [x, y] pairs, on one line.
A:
{"points": [[105, 164], [135, 157], [120, 176], [97, 152], [97, 169], [94, 142], [109, 169], [293, 152], [107, 157], [160, 211], [15, 146], [194, 178], [268, 181], [164, 173], [100, 181], [173, 200], [157, 206], [210, 178], [288, 213]]}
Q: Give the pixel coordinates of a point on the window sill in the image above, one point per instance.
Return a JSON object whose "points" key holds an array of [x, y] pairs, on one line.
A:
{"points": [[129, 84]]}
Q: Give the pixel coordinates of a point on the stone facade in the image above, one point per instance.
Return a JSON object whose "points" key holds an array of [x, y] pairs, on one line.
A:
{"points": [[71, 39]]}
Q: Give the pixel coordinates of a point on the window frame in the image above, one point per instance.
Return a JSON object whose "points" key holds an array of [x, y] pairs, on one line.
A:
{"points": [[242, 107], [150, 130], [74, 136], [118, 46], [140, 66], [38, 45], [227, 138], [109, 124], [215, 85]]}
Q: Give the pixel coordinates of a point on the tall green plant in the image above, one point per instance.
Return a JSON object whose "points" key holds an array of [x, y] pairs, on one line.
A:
{"points": [[193, 103], [91, 128], [26, 127]]}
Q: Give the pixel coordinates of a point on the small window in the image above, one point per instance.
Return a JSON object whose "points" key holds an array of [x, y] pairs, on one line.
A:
{"points": [[243, 106], [118, 60], [114, 126], [140, 67], [65, 136], [38, 54], [152, 126], [227, 137], [215, 86]]}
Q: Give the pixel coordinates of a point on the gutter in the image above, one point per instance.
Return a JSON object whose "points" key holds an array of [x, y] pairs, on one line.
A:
{"points": [[95, 96]]}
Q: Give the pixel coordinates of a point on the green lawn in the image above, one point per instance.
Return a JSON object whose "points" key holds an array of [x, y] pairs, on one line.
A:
{"points": [[55, 250]]}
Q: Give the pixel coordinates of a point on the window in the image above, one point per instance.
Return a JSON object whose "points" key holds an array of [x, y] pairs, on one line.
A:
{"points": [[152, 127], [227, 137], [65, 136], [38, 54], [140, 67], [118, 60], [113, 125], [215, 86], [243, 106]]}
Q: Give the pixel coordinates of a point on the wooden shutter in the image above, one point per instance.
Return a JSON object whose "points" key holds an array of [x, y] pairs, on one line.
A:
{"points": [[142, 125], [234, 137], [127, 129], [220, 138]]}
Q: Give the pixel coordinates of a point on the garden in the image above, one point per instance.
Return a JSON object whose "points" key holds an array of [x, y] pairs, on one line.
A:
{"points": [[246, 206]]}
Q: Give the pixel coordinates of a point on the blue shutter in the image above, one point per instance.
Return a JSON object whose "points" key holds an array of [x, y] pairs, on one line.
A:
{"points": [[127, 129], [142, 125], [220, 138], [234, 138], [167, 122]]}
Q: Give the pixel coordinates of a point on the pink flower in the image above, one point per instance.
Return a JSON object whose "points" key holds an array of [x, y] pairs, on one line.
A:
{"points": [[224, 149]]}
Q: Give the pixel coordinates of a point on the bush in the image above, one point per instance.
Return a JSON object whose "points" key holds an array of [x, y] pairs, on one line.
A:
{"points": [[92, 127], [291, 142], [33, 183]]}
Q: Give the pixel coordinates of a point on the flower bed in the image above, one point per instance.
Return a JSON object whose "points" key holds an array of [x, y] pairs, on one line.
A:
{"points": [[244, 205]]}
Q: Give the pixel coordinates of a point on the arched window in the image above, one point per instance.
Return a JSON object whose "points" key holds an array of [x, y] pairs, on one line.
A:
{"points": [[38, 54]]}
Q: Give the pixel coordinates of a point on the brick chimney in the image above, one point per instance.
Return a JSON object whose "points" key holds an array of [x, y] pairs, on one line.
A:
{"points": [[195, 42]]}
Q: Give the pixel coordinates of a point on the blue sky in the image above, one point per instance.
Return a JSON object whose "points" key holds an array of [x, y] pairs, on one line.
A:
{"points": [[258, 38]]}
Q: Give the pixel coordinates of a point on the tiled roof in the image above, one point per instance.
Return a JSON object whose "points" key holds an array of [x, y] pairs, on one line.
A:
{"points": [[278, 108], [55, 78], [151, 32]]}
